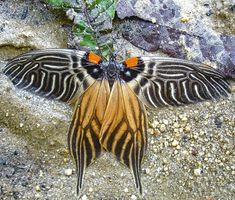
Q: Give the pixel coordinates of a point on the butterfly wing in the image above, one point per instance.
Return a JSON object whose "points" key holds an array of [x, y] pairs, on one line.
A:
{"points": [[123, 131], [53, 73], [160, 82], [83, 134]]}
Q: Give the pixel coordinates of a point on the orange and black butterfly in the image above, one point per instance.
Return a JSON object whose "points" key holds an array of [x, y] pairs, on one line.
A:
{"points": [[110, 97]]}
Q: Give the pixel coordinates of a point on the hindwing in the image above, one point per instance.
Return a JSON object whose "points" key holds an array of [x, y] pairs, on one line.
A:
{"points": [[83, 134], [123, 131]]}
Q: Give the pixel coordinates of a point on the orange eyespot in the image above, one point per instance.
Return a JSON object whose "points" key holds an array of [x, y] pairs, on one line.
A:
{"points": [[93, 58], [132, 62]]}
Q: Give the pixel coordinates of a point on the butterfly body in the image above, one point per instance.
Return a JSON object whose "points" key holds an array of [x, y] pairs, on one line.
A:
{"points": [[111, 69], [111, 96]]}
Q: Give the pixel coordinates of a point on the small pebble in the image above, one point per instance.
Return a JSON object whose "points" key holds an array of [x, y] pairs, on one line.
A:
{"points": [[184, 19], [184, 119], [155, 123], [176, 125], [147, 170], [84, 197], [187, 129], [21, 125], [40, 173], [175, 143], [68, 172], [165, 168], [164, 161], [37, 196], [133, 197], [126, 190], [37, 188], [165, 121], [185, 152], [153, 20], [233, 88], [176, 130], [195, 136], [197, 172], [162, 127]]}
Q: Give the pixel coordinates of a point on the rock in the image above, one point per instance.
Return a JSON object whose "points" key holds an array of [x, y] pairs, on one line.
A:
{"points": [[38, 188], [133, 197], [84, 197], [187, 129], [175, 143], [197, 172], [162, 127], [176, 35], [68, 172], [21, 125], [22, 28], [38, 196]]}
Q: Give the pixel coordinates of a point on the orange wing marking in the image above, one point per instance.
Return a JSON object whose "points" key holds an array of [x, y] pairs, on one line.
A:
{"points": [[93, 58], [132, 62]]}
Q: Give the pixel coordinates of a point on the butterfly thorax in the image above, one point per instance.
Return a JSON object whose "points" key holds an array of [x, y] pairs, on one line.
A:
{"points": [[112, 69]]}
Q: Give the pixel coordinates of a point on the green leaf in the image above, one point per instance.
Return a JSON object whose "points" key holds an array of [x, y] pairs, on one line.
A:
{"points": [[89, 41], [81, 26], [85, 35], [103, 6], [109, 7], [57, 3]]}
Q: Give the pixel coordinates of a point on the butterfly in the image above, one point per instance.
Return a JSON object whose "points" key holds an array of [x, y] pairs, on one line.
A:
{"points": [[110, 97]]}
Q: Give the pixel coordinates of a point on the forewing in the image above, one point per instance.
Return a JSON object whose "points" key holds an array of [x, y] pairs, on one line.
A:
{"points": [[53, 73], [123, 131], [161, 82], [83, 134]]}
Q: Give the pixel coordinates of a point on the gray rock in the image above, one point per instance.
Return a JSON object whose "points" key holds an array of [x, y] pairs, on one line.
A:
{"points": [[181, 30], [25, 26]]}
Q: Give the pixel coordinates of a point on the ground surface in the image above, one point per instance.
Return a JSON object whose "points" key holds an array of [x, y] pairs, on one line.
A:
{"points": [[190, 153]]}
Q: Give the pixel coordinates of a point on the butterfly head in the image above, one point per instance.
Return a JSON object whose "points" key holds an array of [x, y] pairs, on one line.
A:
{"points": [[112, 68]]}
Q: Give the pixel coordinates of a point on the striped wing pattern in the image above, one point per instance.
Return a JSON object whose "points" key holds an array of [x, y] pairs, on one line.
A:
{"points": [[83, 134], [53, 73], [123, 131], [168, 81]]}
